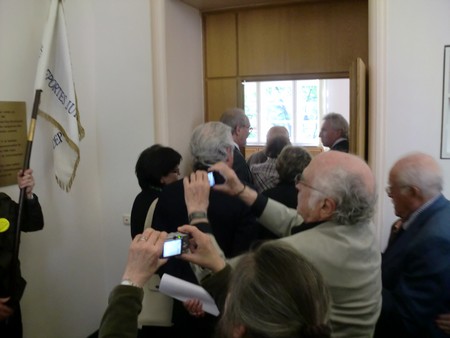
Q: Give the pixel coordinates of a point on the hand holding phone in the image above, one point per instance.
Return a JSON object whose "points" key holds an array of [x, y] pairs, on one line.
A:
{"points": [[214, 178]]}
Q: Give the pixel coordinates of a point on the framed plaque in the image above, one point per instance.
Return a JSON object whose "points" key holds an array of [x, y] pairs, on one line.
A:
{"points": [[13, 140]]}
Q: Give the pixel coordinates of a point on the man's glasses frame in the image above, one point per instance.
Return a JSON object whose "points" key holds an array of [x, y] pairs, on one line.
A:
{"points": [[300, 179]]}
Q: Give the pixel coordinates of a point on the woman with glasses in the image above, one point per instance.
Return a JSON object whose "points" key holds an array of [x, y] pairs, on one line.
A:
{"points": [[156, 167]]}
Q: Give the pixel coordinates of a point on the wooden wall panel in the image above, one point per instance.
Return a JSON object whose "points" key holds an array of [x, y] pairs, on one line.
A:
{"points": [[221, 94], [221, 44], [303, 38]]}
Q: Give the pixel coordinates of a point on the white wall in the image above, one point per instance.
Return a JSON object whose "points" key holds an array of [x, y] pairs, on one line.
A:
{"points": [[184, 76], [79, 256], [409, 80], [338, 91]]}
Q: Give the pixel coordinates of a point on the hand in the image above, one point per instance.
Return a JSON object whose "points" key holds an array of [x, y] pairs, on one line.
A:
{"points": [[144, 256], [5, 310], [232, 185], [194, 307], [443, 322], [203, 252], [196, 191], [25, 180]]}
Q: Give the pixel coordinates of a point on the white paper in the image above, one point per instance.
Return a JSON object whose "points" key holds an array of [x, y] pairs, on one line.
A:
{"points": [[182, 290]]}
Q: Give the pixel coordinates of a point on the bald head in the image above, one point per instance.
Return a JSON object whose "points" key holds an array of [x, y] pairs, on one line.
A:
{"points": [[418, 170], [277, 131], [348, 180], [328, 162]]}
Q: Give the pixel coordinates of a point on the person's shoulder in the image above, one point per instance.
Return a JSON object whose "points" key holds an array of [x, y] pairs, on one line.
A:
{"points": [[257, 158], [172, 187], [4, 197], [256, 167]]}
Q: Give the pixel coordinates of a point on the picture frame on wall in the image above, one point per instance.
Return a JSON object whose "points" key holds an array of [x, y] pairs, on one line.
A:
{"points": [[445, 132]]}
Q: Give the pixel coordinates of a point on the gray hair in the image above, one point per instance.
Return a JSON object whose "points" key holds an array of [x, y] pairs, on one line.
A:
{"points": [[338, 122], [268, 304], [209, 144], [234, 117], [355, 203], [292, 161], [422, 171]]}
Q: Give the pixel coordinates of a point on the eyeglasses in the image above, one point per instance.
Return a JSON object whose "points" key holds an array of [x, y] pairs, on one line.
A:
{"points": [[299, 179], [250, 129], [389, 188]]}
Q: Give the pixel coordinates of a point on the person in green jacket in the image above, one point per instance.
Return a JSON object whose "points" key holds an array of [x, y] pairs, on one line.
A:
{"points": [[125, 300]]}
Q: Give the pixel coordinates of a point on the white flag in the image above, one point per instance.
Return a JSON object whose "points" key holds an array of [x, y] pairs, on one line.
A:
{"points": [[58, 98]]}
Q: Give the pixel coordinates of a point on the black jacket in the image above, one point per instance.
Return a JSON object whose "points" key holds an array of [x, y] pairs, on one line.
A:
{"points": [[33, 220]]}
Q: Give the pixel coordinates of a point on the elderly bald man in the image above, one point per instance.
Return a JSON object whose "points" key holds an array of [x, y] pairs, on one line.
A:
{"points": [[416, 264], [261, 156], [332, 228]]}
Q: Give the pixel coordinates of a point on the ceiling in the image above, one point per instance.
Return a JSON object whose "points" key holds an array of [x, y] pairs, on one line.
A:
{"points": [[213, 5]]}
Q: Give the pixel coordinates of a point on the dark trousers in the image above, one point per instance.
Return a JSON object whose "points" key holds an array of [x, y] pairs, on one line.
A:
{"points": [[12, 327]]}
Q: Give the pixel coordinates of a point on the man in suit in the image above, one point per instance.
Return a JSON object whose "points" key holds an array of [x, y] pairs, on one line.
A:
{"points": [[233, 224], [332, 227], [416, 264], [239, 123], [334, 132]]}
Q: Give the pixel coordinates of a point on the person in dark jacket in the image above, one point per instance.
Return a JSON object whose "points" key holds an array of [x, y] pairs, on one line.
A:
{"points": [[33, 220], [156, 167], [291, 162], [239, 123], [334, 132], [416, 264], [234, 225]]}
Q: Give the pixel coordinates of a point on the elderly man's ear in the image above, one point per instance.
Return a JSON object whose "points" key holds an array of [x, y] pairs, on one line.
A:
{"points": [[328, 208], [230, 158]]}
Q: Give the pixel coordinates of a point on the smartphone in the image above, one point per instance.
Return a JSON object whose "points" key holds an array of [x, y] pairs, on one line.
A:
{"points": [[175, 244], [215, 178]]}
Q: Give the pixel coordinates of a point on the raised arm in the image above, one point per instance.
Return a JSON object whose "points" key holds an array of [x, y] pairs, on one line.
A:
{"points": [[232, 185], [125, 301]]}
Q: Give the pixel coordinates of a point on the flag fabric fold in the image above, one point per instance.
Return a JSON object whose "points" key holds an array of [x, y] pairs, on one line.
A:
{"points": [[58, 98]]}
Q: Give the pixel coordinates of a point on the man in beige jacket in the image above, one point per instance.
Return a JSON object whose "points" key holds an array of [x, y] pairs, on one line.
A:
{"points": [[332, 228]]}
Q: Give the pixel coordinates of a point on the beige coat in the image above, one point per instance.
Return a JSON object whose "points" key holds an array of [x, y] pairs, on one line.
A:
{"points": [[349, 260]]}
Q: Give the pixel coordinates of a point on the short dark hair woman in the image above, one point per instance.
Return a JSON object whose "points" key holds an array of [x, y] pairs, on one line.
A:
{"points": [[156, 167]]}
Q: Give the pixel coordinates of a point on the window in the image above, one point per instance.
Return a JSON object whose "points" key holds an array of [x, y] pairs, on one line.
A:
{"points": [[299, 105]]}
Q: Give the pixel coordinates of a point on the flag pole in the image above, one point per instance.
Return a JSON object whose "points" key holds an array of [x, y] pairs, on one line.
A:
{"points": [[26, 165], [39, 83]]}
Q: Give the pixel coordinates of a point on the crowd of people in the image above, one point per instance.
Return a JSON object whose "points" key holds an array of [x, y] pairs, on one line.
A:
{"points": [[318, 212], [285, 243]]}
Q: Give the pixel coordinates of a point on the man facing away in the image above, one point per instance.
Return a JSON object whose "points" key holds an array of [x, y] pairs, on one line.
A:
{"points": [[334, 132], [332, 228], [239, 123], [233, 224], [416, 264], [261, 156], [265, 175]]}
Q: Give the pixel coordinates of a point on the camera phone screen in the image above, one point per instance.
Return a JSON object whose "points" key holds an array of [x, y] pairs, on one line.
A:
{"points": [[172, 248]]}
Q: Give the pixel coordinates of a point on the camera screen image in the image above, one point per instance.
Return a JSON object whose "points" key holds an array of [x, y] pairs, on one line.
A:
{"points": [[175, 244], [172, 247]]}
